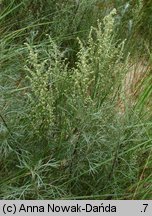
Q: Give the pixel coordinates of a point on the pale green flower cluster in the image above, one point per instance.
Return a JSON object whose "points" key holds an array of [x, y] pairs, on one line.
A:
{"points": [[41, 94], [101, 55]]}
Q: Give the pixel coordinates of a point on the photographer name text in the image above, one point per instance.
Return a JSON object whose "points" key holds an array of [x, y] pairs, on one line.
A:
{"points": [[53, 208]]}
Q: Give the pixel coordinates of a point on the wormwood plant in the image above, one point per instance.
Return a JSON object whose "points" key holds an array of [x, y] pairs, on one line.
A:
{"points": [[59, 97]]}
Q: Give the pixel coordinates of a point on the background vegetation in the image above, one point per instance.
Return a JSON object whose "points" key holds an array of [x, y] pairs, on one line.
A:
{"points": [[75, 99]]}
